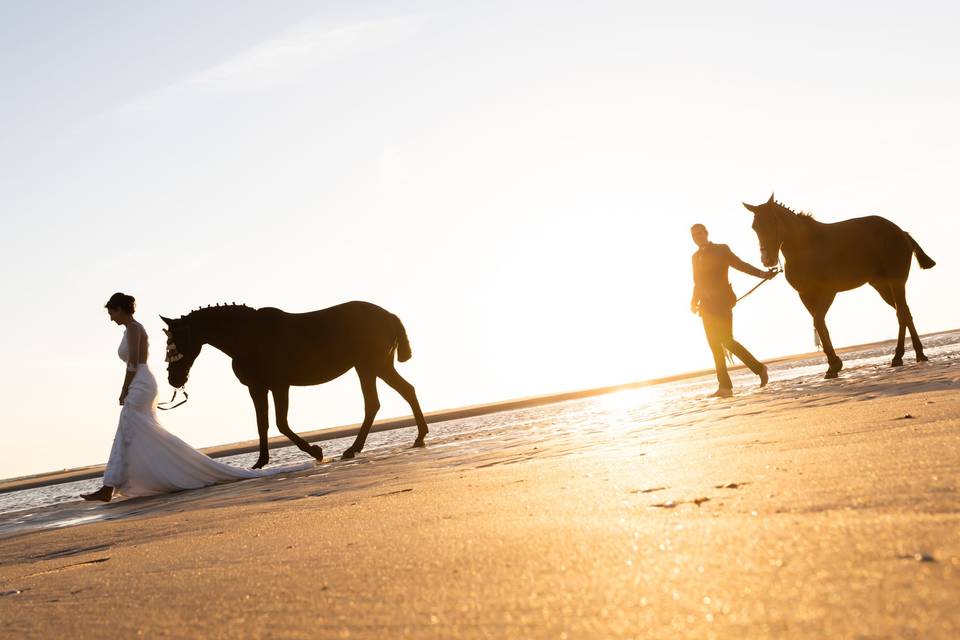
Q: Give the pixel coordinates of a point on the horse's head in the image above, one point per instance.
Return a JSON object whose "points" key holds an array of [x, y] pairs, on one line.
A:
{"points": [[768, 223], [182, 350]]}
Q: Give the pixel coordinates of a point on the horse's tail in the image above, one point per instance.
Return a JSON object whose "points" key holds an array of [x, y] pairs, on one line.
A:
{"points": [[923, 259], [403, 344]]}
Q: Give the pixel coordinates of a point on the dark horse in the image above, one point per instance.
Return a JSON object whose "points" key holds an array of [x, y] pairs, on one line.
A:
{"points": [[273, 350], [820, 260]]}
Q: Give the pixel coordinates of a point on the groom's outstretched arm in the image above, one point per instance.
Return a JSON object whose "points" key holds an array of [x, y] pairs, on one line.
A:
{"points": [[745, 267]]}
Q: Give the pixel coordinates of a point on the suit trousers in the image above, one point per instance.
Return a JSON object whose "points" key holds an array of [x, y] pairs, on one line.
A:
{"points": [[718, 326]]}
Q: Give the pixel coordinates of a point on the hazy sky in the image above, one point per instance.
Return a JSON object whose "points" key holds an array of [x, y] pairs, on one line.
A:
{"points": [[515, 180]]}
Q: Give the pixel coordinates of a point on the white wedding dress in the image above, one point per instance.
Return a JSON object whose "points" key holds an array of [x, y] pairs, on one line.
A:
{"points": [[146, 459]]}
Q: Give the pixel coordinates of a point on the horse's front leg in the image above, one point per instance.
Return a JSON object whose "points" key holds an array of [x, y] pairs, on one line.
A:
{"points": [[833, 361], [818, 304], [371, 404], [281, 402], [259, 397]]}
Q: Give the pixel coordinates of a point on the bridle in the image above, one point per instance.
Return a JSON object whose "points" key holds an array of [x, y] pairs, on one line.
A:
{"points": [[173, 355], [763, 250], [779, 225]]}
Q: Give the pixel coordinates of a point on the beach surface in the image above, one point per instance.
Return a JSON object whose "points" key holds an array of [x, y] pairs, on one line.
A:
{"points": [[810, 508]]}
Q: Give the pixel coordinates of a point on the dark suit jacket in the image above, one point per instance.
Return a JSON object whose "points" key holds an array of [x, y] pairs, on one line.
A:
{"points": [[711, 286]]}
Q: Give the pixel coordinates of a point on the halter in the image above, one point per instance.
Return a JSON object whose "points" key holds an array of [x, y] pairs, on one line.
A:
{"points": [[173, 355], [779, 225]]}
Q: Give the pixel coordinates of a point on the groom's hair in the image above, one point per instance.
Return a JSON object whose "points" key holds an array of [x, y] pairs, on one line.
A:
{"points": [[121, 301]]}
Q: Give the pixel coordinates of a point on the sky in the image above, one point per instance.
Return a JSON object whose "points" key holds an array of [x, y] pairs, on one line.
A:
{"points": [[515, 180]]}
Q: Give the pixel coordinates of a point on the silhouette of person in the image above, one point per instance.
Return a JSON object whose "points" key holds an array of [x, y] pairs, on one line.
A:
{"points": [[714, 299]]}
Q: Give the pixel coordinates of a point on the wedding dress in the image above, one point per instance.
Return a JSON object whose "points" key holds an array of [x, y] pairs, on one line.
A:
{"points": [[146, 459]]}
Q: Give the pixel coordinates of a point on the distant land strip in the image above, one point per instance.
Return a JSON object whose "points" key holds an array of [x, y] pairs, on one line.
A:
{"points": [[332, 433]]}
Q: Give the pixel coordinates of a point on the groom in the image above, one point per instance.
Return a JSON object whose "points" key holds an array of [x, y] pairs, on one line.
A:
{"points": [[714, 299]]}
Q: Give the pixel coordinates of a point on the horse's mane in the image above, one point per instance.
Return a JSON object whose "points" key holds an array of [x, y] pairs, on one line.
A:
{"points": [[217, 309], [799, 214]]}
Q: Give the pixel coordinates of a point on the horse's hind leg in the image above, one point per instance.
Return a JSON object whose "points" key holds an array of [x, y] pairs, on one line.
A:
{"points": [[886, 291], [371, 404], [281, 403], [917, 345], [407, 392], [906, 322]]}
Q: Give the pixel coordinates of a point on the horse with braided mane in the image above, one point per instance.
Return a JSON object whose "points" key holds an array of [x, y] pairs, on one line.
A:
{"points": [[821, 260], [273, 350]]}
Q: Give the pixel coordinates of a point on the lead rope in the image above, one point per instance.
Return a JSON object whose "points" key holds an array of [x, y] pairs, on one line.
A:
{"points": [[761, 283]]}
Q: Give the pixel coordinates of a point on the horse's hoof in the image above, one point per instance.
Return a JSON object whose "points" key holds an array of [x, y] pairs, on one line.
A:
{"points": [[830, 375], [259, 464], [348, 454], [897, 362], [316, 452], [922, 358], [419, 443]]}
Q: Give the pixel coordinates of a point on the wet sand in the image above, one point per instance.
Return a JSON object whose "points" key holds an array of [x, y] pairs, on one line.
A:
{"points": [[829, 509], [331, 433]]}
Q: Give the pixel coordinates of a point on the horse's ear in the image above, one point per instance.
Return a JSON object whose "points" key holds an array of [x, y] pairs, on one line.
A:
{"points": [[168, 321], [750, 207], [770, 201]]}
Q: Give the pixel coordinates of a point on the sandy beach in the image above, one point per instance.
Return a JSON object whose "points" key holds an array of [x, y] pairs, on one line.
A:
{"points": [[808, 509]]}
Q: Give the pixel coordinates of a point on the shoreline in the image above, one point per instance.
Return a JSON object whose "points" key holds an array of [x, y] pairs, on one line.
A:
{"points": [[341, 431]]}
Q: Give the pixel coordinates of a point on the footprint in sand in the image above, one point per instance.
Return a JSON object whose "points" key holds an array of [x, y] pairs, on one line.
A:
{"points": [[919, 557], [651, 490], [392, 493], [670, 504]]}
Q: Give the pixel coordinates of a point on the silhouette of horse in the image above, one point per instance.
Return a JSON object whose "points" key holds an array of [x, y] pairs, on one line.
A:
{"points": [[273, 350], [821, 260]]}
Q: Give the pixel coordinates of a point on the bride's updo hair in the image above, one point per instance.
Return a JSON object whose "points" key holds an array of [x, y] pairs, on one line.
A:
{"points": [[121, 301]]}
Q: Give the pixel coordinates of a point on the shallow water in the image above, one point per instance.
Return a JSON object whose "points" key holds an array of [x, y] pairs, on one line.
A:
{"points": [[569, 426]]}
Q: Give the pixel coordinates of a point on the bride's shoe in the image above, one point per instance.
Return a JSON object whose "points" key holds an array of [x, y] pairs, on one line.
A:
{"points": [[103, 494]]}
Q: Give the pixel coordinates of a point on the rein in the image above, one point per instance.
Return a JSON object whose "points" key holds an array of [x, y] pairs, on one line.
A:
{"points": [[174, 397]]}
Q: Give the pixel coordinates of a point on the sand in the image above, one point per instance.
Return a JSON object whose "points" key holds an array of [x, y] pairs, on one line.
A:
{"points": [[820, 510]]}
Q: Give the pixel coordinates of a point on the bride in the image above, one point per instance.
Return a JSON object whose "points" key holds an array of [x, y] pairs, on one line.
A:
{"points": [[146, 459]]}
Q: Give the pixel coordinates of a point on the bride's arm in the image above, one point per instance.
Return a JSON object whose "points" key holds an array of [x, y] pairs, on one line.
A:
{"points": [[133, 358]]}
